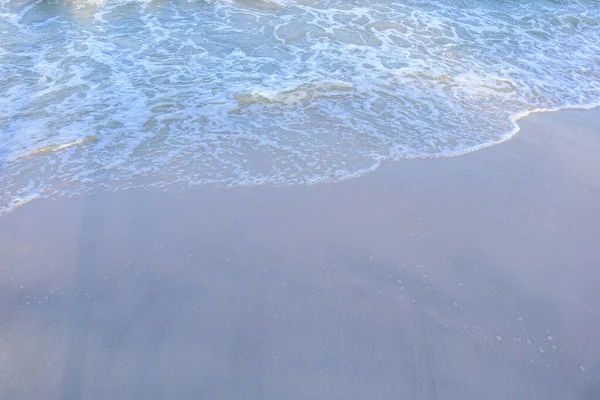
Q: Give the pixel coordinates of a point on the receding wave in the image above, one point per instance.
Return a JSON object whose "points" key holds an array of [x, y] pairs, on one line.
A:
{"points": [[57, 147], [116, 94], [300, 94]]}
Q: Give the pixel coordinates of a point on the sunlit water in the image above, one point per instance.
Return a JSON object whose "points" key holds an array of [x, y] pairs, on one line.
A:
{"points": [[110, 95]]}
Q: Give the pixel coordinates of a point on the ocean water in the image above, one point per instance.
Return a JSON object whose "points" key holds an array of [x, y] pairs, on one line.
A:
{"points": [[116, 94]]}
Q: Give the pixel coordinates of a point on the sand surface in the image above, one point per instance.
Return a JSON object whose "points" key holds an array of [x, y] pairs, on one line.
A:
{"points": [[476, 277]]}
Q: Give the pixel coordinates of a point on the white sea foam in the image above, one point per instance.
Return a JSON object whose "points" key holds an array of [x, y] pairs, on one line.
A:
{"points": [[273, 92]]}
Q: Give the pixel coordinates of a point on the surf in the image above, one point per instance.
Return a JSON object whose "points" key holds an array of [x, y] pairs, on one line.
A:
{"points": [[292, 92]]}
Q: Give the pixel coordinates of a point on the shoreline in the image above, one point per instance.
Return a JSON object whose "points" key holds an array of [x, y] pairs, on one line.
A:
{"points": [[468, 277], [326, 180], [517, 128]]}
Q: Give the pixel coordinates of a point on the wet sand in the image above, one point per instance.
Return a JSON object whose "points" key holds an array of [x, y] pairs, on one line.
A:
{"points": [[476, 277]]}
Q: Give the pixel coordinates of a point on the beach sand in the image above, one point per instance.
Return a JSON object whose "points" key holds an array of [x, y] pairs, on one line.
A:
{"points": [[475, 277]]}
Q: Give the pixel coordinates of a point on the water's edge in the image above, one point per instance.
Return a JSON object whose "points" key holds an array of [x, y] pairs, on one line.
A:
{"points": [[357, 174]]}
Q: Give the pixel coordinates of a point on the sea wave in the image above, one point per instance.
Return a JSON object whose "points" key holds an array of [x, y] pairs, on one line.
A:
{"points": [[120, 94], [296, 94], [55, 147]]}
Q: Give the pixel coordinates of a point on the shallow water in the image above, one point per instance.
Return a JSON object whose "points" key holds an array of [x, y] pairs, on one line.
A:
{"points": [[109, 95]]}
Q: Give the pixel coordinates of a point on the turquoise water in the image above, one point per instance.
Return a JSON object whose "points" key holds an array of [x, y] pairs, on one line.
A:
{"points": [[111, 95]]}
